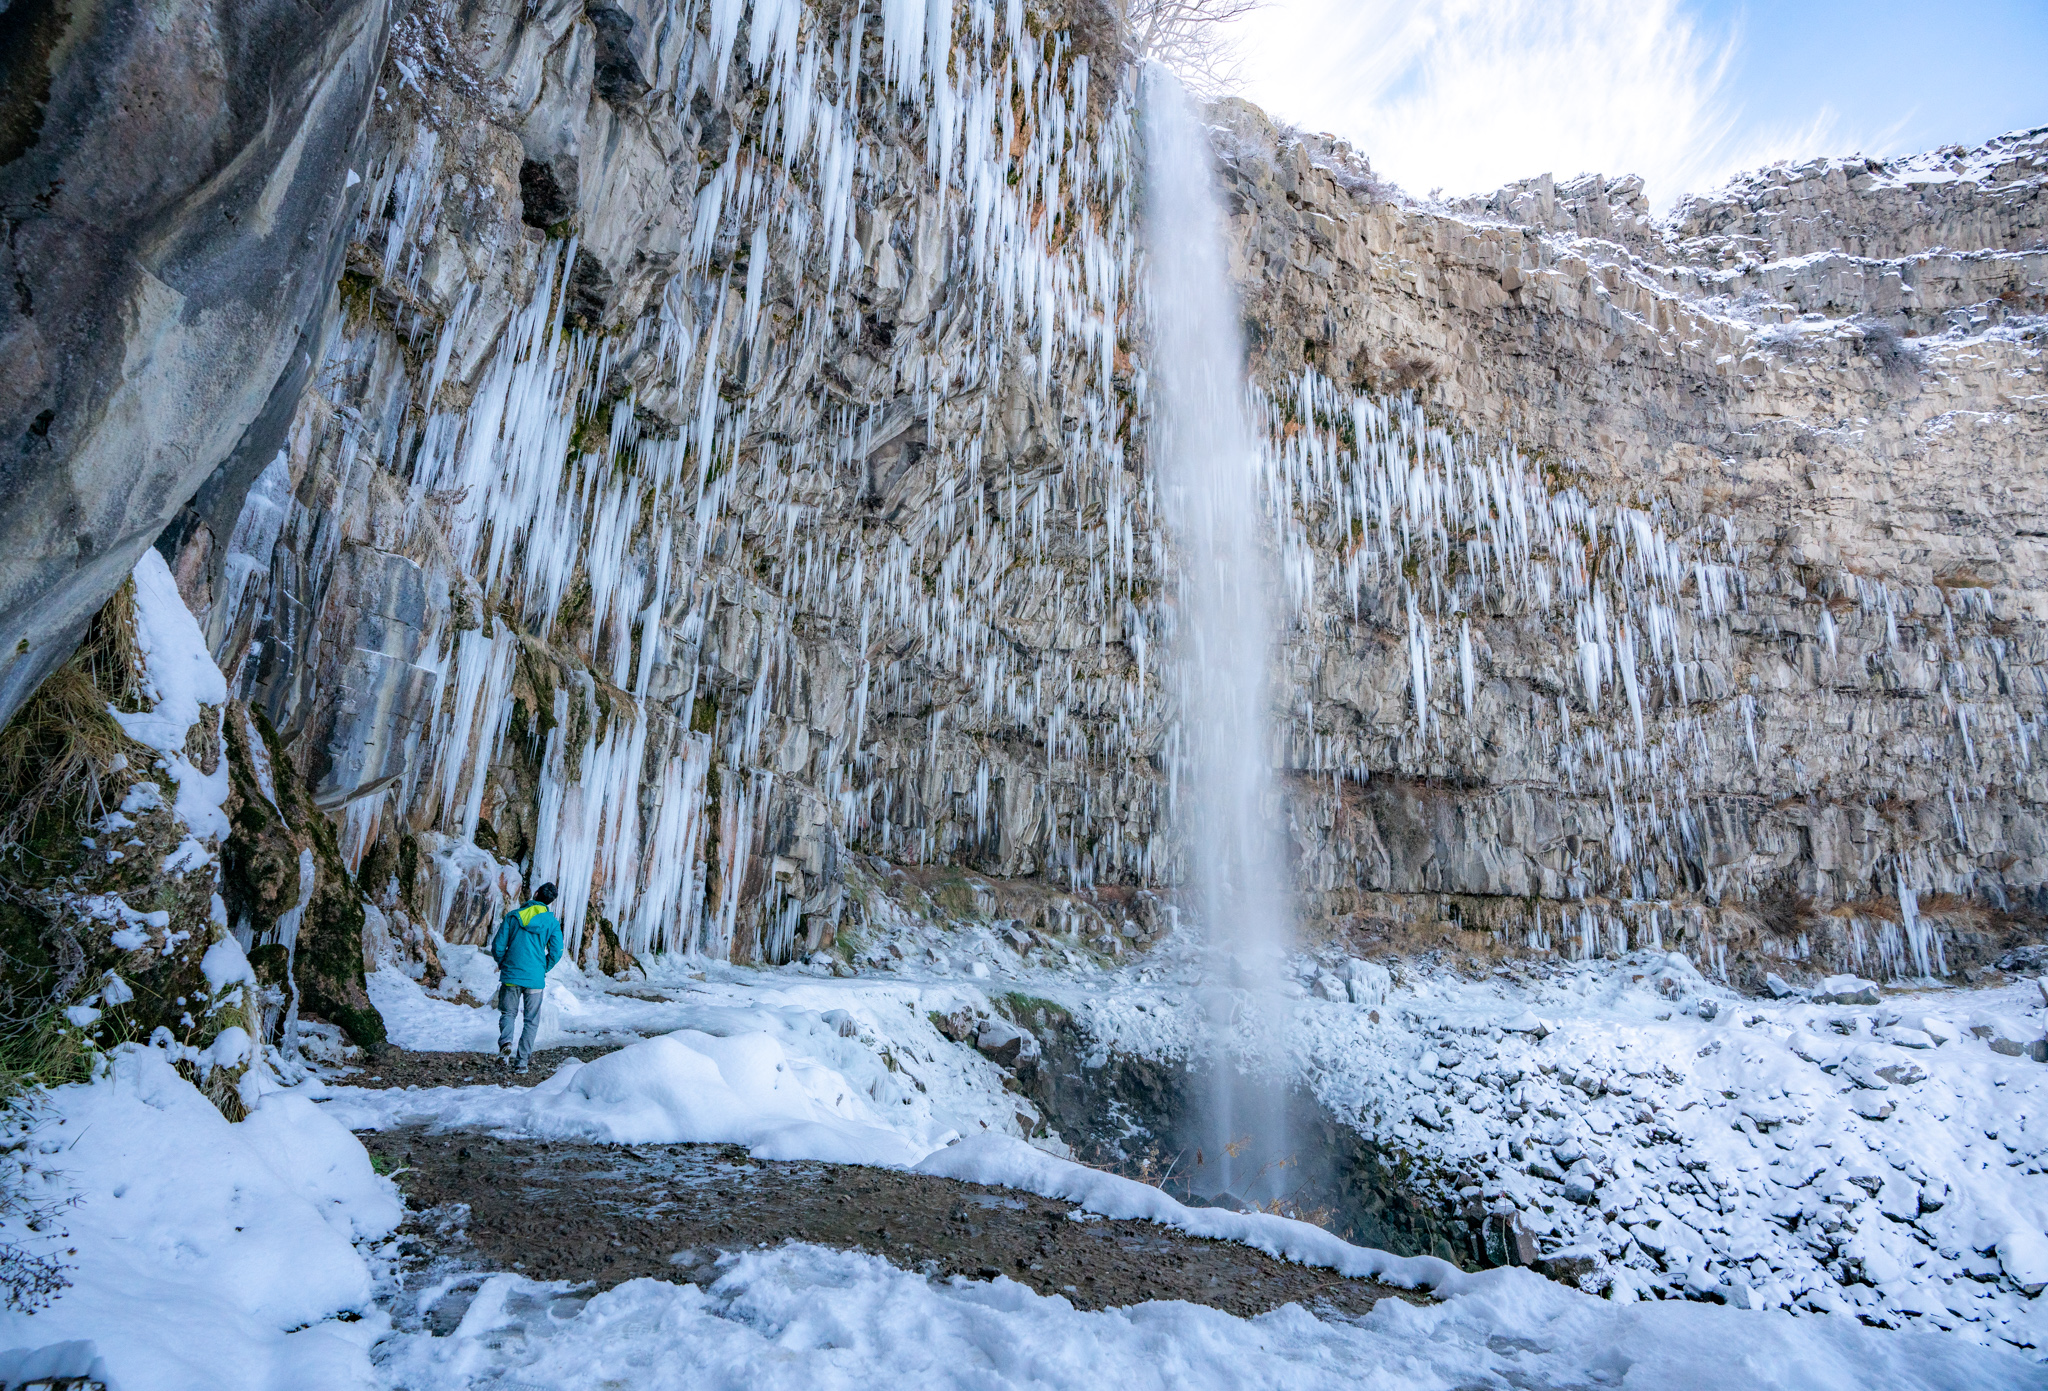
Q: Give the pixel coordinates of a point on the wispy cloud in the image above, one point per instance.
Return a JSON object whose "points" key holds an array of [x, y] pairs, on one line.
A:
{"points": [[1465, 95]]}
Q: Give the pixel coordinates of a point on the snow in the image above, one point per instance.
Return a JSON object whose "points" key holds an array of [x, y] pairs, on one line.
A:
{"points": [[874, 1035], [684, 1087], [1857, 1159], [795, 1066], [179, 683], [804, 1317], [1866, 1159], [209, 1256]]}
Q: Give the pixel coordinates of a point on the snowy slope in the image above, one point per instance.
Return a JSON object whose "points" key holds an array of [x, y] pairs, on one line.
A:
{"points": [[1882, 1159], [202, 1256]]}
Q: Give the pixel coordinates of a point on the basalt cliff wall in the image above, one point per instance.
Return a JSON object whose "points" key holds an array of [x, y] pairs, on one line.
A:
{"points": [[720, 486]]}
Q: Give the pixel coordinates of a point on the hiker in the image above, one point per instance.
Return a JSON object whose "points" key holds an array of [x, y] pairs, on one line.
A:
{"points": [[528, 944]]}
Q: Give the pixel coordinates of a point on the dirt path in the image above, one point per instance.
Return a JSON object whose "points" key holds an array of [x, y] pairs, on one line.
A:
{"points": [[608, 1213], [400, 1067]]}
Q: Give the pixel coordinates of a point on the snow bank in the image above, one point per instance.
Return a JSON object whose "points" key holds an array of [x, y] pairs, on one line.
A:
{"points": [[878, 1036], [200, 1245], [684, 1087], [1008, 1163], [810, 1319]]}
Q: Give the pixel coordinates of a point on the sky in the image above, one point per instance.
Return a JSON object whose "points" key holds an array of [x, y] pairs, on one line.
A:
{"points": [[1466, 95]]}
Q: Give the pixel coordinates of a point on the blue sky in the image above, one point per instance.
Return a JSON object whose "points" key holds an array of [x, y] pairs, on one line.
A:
{"points": [[1464, 95], [1941, 74]]}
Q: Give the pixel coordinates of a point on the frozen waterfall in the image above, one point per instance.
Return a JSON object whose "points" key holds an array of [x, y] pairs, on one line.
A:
{"points": [[1206, 467]]}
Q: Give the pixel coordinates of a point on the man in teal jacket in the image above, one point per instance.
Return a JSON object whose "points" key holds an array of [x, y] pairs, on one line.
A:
{"points": [[528, 944]]}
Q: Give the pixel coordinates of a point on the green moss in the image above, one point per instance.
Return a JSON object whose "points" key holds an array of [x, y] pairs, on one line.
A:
{"points": [[956, 896], [1034, 1011], [704, 715], [358, 299], [327, 962]]}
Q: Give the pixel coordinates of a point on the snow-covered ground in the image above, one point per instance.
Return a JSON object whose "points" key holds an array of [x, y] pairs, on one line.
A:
{"points": [[805, 1318], [1739, 1146], [1879, 1159], [1883, 1160]]}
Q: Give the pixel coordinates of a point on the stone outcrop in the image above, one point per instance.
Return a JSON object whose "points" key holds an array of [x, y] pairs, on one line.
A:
{"points": [[172, 188], [727, 469]]}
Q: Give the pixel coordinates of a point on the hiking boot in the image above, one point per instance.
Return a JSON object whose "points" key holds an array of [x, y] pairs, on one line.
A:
{"points": [[519, 1068], [504, 1057]]}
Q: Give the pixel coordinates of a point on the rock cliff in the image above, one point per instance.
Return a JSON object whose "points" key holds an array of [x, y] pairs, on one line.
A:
{"points": [[719, 484], [1780, 677], [173, 189]]}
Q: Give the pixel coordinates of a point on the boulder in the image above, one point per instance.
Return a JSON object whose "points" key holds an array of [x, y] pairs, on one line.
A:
{"points": [[2023, 1256], [178, 200], [1846, 990], [1004, 1044]]}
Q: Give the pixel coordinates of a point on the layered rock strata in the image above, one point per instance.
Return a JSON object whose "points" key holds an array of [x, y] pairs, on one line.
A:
{"points": [[1738, 642]]}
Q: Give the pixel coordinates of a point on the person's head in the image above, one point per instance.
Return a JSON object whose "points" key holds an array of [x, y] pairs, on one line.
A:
{"points": [[544, 894]]}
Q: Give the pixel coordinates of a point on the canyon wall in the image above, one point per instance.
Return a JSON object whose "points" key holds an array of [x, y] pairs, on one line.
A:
{"points": [[720, 486]]}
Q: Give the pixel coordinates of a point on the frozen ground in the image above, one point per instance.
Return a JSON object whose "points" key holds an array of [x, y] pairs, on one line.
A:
{"points": [[1739, 1147], [1881, 1159]]}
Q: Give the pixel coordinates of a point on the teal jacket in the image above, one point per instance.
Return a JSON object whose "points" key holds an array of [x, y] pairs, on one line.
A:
{"points": [[528, 944]]}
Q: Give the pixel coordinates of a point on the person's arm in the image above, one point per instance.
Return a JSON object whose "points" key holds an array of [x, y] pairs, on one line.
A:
{"points": [[554, 942], [499, 942]]}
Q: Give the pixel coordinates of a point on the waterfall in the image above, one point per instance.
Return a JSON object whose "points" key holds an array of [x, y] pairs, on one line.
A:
{"points": [[1206, 467]]}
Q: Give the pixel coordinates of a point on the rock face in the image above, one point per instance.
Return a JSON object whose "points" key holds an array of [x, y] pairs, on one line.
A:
{"points": [[1795, 734], [172, 185], [729, 462]]}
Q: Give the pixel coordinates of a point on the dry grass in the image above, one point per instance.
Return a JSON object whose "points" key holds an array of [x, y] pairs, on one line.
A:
{"points": [[59, 748]]}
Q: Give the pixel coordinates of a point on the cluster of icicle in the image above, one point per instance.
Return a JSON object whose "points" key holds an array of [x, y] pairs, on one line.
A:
{"points": [[1378, 512], [1025, 193]]}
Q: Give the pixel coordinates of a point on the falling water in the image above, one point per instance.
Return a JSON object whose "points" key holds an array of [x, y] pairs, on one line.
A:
{"points": [[1207, 472]]}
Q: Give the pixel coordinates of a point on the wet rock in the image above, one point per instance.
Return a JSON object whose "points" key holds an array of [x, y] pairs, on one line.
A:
{"points": [[616, 71], [1003, 1043]]}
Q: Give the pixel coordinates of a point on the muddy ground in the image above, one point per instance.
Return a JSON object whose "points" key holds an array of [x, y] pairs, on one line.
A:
{"points": [[610, 1213]]}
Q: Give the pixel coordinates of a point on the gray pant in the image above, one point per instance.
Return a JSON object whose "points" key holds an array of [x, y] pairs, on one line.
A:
{"points": [[510, 998]]}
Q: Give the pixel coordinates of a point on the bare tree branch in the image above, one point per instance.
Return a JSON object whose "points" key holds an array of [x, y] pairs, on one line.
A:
{"points": [[1188, 36]]}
